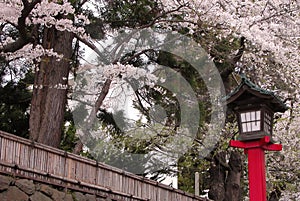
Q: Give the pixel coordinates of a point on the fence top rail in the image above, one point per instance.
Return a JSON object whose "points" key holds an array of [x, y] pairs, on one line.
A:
{"points": [[91, 162]]}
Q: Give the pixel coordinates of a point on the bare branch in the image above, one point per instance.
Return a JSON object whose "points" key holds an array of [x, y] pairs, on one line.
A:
{"points": [[136, 55], [102, 95], [82, 3], [89, 44], [160, 16]]}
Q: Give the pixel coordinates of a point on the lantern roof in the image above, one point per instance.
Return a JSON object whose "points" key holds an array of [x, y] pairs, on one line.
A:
{"points": [[247, 93]]}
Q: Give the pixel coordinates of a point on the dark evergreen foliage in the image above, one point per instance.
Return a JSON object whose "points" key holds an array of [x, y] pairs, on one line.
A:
{"points": [[15, 98]]}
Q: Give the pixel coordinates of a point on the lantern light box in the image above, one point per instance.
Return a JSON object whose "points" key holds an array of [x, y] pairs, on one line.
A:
{"points": [[255, 108]]}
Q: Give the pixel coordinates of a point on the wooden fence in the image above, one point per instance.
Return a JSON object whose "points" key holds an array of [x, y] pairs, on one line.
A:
{"points": [[24, 158]]}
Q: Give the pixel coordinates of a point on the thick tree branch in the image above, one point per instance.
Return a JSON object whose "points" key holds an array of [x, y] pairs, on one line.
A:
{"points": [[105, 89], [12, 47], [82, 3], [89, 44], [136, 55], [139, 96], [24, 38], [233, 61], [102, 95]]}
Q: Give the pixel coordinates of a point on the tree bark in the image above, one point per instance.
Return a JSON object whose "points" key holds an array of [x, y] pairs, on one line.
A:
{"points": [[217, 177], [233, 180], [50, 89], [275, 195], [225, 177]]}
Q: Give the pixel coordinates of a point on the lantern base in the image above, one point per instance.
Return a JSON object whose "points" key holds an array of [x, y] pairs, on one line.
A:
{"points": [[254, 136], [265, 143]]}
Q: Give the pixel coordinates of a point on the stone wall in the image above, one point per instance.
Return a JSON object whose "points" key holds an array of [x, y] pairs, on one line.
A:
{"points": [[18, 189]]}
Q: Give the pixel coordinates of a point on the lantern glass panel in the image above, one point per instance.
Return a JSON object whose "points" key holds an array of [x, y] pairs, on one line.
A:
{"points": [[250, 121]]}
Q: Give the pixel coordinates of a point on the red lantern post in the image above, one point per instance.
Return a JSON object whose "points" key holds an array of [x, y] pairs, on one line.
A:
{"points": [[256, 164]]}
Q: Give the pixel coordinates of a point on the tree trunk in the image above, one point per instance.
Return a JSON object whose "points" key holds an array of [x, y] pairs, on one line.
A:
{"points": [[233, 180], [217, 177], [50, 89], [275, 195], [225, 178]]}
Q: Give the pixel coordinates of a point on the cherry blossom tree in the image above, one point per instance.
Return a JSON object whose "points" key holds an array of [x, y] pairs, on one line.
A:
{"points": [[258, 38], [42, 27]]}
